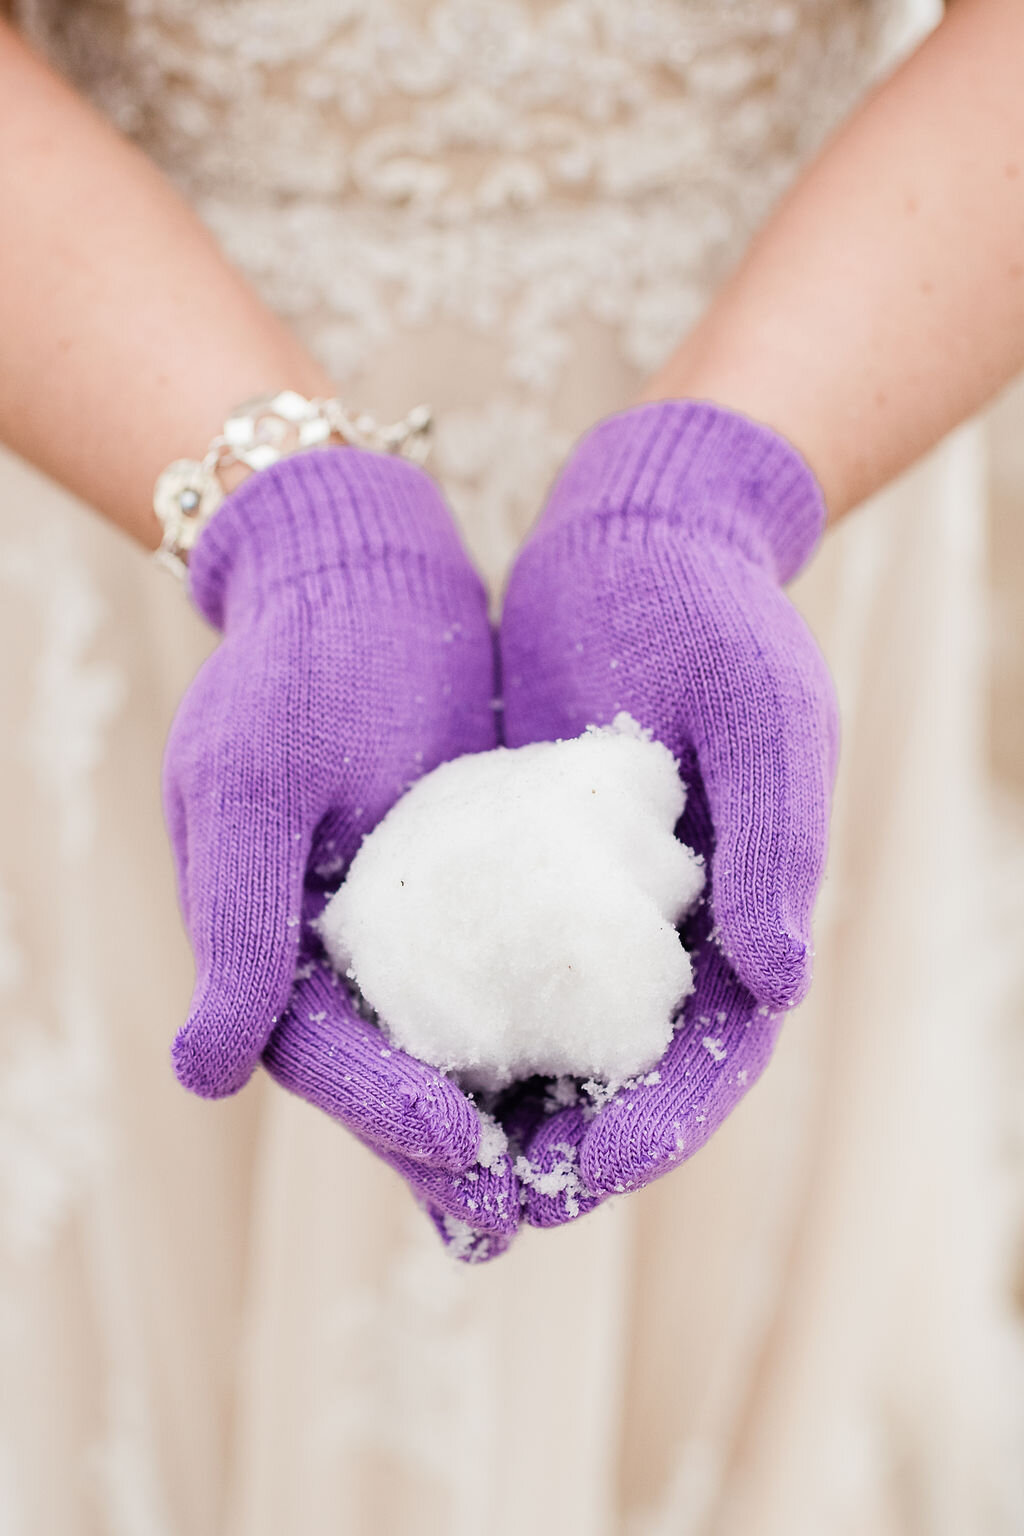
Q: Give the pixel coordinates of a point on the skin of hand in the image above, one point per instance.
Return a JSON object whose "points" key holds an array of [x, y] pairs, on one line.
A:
{"points": [[882, 303], [113, 293]]}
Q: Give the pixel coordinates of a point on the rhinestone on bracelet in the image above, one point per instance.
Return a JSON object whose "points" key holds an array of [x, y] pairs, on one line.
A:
{"points": [[256, 435]]}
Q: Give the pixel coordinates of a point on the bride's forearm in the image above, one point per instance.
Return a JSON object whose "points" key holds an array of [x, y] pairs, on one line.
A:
{"points": [[125, 336], [883, 301]]}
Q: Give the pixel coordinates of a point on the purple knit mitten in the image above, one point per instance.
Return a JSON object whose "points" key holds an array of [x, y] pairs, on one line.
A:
{"points": [[653, 583], [324, 1051], [357, 655]]}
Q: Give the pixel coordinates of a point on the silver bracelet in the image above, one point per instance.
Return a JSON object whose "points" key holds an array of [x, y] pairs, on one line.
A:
{"points": [[258, 434]]}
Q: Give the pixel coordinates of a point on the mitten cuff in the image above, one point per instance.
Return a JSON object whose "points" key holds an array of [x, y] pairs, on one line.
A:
{"points": [[322, 510], [712, 471]]}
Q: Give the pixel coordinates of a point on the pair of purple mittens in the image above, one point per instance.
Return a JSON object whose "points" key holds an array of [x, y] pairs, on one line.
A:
{"points": [[357, 655]]}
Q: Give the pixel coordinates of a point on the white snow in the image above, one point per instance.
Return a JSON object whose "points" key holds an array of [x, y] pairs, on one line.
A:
{"points": [[463, 1241], [562, 1178], [514, 913], [493, 1144]]}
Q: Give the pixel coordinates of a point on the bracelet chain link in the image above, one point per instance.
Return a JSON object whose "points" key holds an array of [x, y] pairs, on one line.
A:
{"points": [[256, 435]]}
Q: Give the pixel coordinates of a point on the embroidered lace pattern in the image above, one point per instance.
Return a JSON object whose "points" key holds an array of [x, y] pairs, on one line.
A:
{"points": [[508, 178]]}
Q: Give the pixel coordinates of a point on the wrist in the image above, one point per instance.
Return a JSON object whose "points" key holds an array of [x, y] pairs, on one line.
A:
{"points": [[328, 509], [705, 468], [256, 435], [765, 378]]}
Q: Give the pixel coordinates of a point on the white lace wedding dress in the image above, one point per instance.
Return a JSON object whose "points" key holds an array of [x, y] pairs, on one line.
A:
{"points": [[228, 1318]]}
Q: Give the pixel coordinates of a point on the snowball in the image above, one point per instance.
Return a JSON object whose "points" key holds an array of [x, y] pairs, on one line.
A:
{"points": [[514, 913]]}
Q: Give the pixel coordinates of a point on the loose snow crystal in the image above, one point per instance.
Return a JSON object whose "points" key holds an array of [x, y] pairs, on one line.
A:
{"points": [[514, 913]]}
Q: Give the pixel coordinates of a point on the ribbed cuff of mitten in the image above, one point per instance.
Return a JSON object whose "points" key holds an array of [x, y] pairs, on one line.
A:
{"points": [[714, 472], [319, 511]]}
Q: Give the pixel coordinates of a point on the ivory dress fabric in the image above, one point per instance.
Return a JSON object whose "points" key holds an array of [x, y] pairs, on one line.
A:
{"points": [[229, 1318]]}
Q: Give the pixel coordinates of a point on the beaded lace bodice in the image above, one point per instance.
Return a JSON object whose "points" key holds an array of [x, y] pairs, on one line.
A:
{"points": [[515, 209]]}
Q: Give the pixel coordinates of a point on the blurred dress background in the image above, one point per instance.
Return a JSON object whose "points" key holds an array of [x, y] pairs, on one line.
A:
{"points": [[228, 1318]]}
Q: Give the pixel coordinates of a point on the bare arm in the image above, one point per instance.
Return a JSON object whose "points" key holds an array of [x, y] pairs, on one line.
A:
{"points": [[126, 336], [883, 301], [880, 305]]}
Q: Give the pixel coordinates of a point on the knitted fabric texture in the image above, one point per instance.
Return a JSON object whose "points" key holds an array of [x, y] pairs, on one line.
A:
{"points": [[652, 583], [357, 655]]}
